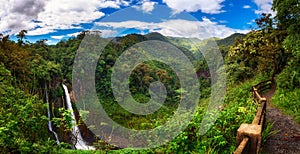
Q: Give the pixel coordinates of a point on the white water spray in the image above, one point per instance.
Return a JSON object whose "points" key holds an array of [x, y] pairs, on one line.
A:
{"points": [[50, 126], [77, 139]]}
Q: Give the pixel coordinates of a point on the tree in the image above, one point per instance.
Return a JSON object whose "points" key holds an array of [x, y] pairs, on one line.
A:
{"points": [[21, 36], [262, 49], [288, 13], [288, 16], [41, 42], [15, 58], [3, 40]]}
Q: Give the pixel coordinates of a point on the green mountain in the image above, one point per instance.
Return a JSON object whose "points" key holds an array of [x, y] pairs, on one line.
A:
{"points": [[230, 39], [156, 36]]}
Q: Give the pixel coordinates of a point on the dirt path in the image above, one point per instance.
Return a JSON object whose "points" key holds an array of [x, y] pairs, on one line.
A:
{"points": [[287, 141]]}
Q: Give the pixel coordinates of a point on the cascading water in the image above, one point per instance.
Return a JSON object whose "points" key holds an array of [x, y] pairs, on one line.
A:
{"points": [[78, 141], [50, 127]]}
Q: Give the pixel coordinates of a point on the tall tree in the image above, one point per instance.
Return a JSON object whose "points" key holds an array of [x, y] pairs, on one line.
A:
{"points": [[21, 36]]}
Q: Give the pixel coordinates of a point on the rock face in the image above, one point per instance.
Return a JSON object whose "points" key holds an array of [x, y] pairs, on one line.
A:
{"points": [[72, 96]]}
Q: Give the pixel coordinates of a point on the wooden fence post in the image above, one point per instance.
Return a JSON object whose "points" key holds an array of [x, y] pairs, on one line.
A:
{"points": [[253, 132]]}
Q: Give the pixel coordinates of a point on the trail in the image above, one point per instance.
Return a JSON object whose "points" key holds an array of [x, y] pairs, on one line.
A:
{"points": [[287, 141]]}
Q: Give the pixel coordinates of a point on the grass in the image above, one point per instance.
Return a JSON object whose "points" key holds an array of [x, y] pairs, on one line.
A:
{"points": [[268, 132], [288, 102]]}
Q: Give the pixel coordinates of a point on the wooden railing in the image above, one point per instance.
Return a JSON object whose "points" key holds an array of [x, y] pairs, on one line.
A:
{"points": [[249, 135]]}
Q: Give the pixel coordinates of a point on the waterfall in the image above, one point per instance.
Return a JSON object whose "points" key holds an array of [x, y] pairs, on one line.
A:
{"points": [[77, 140], [50, 127]]}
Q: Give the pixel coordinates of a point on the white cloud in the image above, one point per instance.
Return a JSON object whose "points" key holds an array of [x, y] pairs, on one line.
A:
{"points": [[264, 6], [58, 37], [64, 14], [246, 6], [46, 16], [252, 22], [126, 24], [73, 34], [16, 15], [206, 6], [112, 3], [178, 28], [108, 33], [40, 31], [146, 6], [51, 42]]}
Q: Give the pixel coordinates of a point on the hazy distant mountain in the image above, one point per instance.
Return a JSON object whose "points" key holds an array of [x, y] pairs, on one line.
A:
{"points": [[190, 46], [194, 44], [187, 43]]}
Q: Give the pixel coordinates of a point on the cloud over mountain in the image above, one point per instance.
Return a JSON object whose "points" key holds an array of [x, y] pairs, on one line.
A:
{"points": [[178, 28]]}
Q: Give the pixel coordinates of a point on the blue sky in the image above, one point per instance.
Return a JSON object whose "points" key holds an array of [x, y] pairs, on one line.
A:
{"points": [[60, 19]]}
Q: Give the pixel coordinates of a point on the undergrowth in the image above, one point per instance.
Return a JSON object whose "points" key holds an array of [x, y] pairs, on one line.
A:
{"points": [[288, 102]]}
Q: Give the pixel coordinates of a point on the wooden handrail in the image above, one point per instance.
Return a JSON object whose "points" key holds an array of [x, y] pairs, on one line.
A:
{"points": [[258, 120], [242, 146], [262, 85]]}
